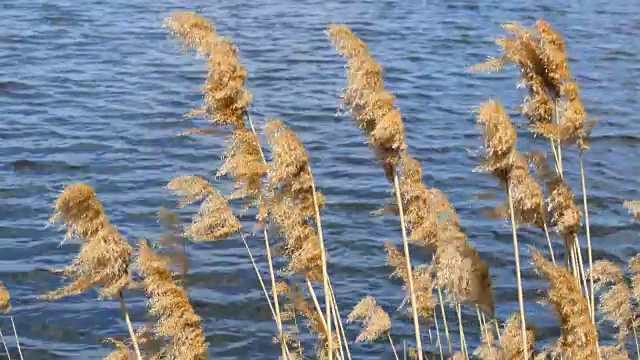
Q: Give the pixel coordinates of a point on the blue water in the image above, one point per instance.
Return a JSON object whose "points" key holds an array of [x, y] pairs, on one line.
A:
{"points": [[94, 92]]}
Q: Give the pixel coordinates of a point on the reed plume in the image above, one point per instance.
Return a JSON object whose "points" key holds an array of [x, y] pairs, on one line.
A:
{"points": [[422, 278], [169, 302], [226, 100], [103, 259], [5, 298], [510, 345], [292, 203], [578, 338], [300, 306], [616, 303], [226, 103], [375, 321]]}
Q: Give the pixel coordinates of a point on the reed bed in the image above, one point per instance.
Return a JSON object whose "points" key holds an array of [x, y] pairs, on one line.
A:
{"points": [[274, 194]]}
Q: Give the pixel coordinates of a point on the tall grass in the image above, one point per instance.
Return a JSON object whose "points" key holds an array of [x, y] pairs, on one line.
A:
{"points": [[279, 188]]}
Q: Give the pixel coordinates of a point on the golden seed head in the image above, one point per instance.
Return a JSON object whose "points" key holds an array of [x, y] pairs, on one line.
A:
{"points": [[579, 336], [170, 304], [243, 163], [375, 321], [215, 220], [5, 298], [103, 259]]}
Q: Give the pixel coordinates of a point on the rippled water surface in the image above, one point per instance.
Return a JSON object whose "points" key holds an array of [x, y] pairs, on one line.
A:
{"points": [[94, 91]]}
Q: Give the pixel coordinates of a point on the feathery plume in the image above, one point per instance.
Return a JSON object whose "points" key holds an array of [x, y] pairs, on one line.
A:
{"points": [[564, 213], [292, 204], [243, 163], [190, 189], [226, 100], [169, 302], [103, 259], [616, 302], [5, 298], [375, 321], [422, 278], [510, 346], [578, 338]]}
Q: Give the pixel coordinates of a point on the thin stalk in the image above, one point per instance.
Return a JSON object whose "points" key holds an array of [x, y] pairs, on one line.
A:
{"points": [[274, 291], [405, 244], [255, 268], [15, 333], [588, 233], [555, 157], [495, 322], [444, 319], [546, 233], [132, 333], [483, 329], [392, 346], [337, 321], [6, 349], [463, 340], [516, 253], [438, 341], [635, 338], [559, 158], [314, 298], [582, 272], [336, 310], [323, 256]]}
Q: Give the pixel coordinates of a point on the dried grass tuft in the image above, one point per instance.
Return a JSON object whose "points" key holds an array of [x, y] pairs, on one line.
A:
{"points": [[169, 302], [103, 259], [375, 321]]}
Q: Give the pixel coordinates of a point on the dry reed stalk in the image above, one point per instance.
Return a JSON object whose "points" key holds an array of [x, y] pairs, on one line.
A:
{"points": [[226, 102], [541, 55], [373, 109], [463, 339], [438, 340], [4, 344], [104, 256], [317, 324], [293, 202], [526, 202], [579, 337], [170, 303]]}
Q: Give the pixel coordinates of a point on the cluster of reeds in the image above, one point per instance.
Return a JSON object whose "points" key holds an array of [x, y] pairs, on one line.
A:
{"points": [[282, 193]]}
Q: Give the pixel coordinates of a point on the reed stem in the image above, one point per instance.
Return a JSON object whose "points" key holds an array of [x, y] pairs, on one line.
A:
{"points": [[6, 349], [132, 333], [516, 253], [405, 244], [274, 291], [316, 304], [463, 340], [635, 338], [392, 346], [339, 321], [588, 233], [438, 341], [546, 233], [444, 319], [323, 255]]}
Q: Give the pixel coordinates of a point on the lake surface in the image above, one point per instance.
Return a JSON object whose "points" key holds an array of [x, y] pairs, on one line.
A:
{"points": [[94, 92]]}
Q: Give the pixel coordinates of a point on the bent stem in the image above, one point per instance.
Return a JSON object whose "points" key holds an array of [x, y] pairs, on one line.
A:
{"points": [[588, 233], [516, 254], [132, 333], [405, 244]]}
